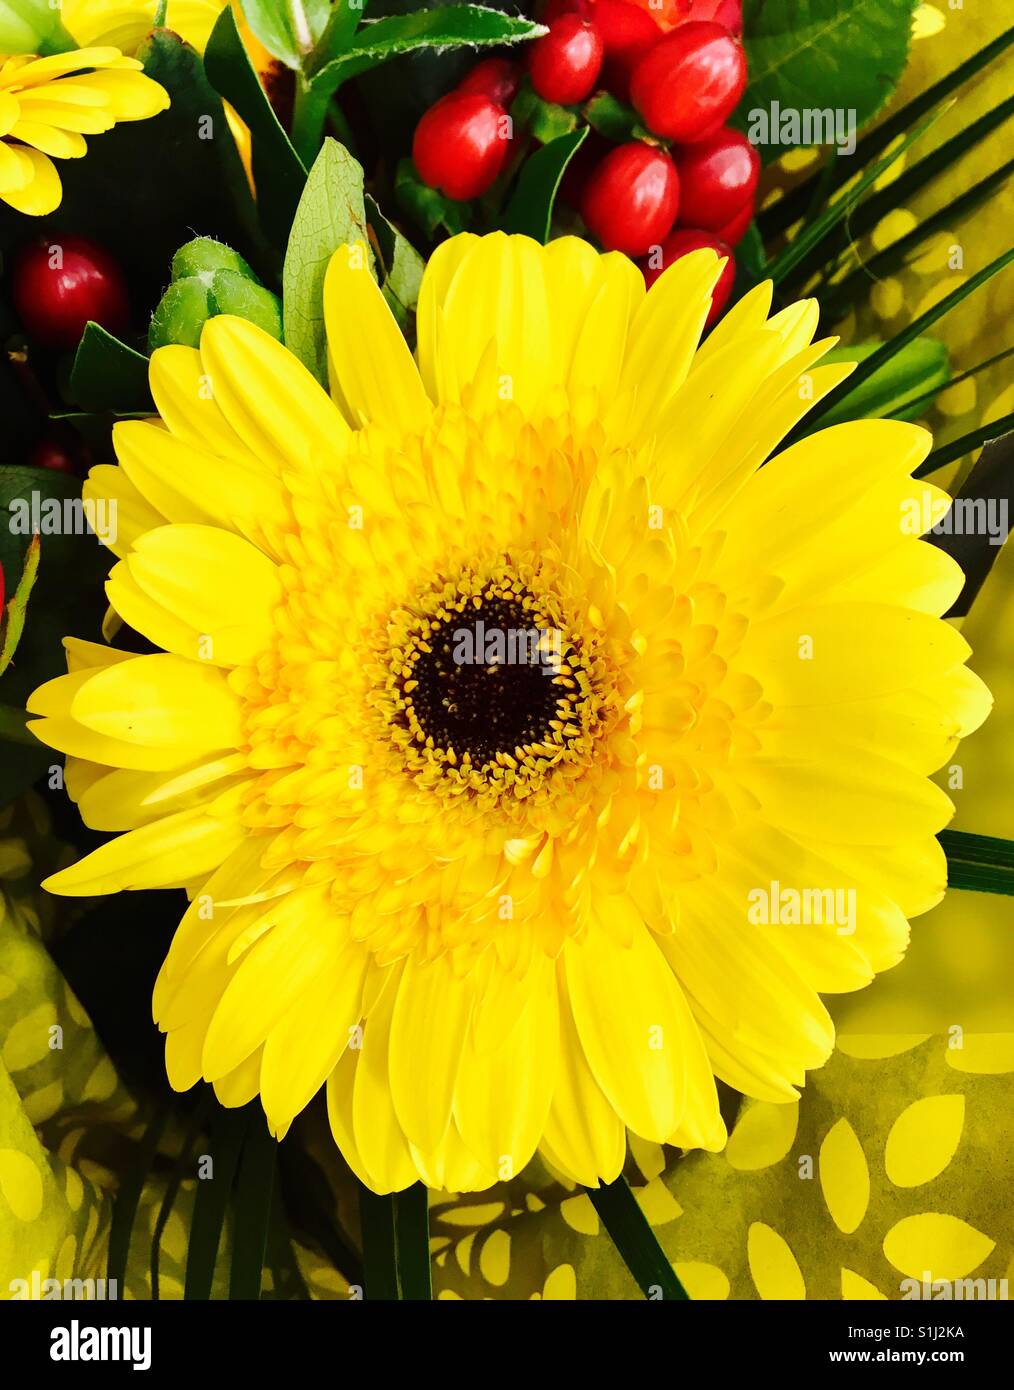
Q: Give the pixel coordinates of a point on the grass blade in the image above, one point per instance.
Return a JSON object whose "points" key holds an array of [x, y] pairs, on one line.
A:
{"points": [[801, 250], [252, 1212], [836, 303], [914, 330], [380, 1248], [637, 1243], [412, 1234], [957, 448], [228, 1130], [978, 863], [129, 1195]]}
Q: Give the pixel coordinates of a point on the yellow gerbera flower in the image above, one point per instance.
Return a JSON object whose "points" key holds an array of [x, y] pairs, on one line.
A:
{"points": [[48, 106], [505, 902]]}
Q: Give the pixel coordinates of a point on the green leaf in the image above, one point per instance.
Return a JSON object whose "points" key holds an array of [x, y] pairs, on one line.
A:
{"points": [[633, 1237], [17, 607], [530, 210], [789, 209], [108, 375], [471, 26], [400, 265], [545, 120], [979, 863], [225, 1143], [427, 207], [613, 118], [331, 212], [976, 526], [919, 366], [252, 1214], [288, 29], [842, 55], [278, 171], [915, 329], [916, 408], [32, 26]]}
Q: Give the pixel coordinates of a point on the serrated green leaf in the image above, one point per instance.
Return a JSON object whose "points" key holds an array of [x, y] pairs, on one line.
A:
{"points": [[457, 26], [787, 210], [530, 210], [331, 212], [818, 55], [278, 171], [109, 375]]}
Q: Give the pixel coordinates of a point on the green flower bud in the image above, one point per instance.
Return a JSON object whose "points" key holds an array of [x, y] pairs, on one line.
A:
{"points": [[181, 314], [234, 294], [32, 26], [204, 256]]}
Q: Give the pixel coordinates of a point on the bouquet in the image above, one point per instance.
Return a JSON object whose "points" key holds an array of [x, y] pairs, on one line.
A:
{"points": [[505, 546]]}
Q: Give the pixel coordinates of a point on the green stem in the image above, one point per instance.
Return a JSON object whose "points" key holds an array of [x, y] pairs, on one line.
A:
{"points": [[309, 116]]}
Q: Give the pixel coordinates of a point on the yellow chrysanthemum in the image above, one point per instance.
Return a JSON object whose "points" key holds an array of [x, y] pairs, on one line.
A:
{"points": [[48, 106], [500, 906], [126, 22]]}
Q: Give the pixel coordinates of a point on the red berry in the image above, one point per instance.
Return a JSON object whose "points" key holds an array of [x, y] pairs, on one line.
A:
{"points": [[555, 9], [687, 85], [630, 201], [727, 13], [52, 453], [733, 231], [60, 282], [718, 177], [627, 35], [680, 244], [565, 63], [496, 78], [461, 143]]}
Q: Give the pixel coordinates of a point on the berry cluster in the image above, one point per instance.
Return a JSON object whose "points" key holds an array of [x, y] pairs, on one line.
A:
{"points": [[689, 181]]}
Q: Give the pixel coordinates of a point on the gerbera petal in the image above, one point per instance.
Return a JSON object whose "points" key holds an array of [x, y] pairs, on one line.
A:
{"points": [[372, 369], [214, 581], [428, 1030], [42, 193]]}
